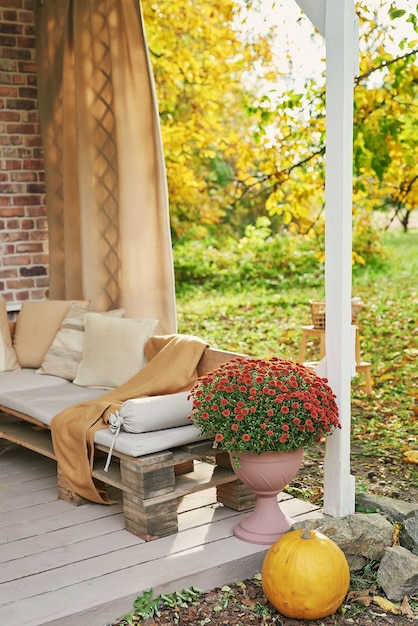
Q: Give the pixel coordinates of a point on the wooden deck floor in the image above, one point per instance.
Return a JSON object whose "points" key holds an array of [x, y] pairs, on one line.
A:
{"points": [[65, 565]]}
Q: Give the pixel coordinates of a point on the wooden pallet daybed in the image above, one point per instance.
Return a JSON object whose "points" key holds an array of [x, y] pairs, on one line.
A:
{"points": [[150, 484]]}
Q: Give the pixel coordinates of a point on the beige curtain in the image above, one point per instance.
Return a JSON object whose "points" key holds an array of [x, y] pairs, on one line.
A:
{"points": [[105, 177]]}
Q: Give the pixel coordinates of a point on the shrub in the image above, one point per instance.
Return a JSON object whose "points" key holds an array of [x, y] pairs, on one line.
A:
{"points": [[260, 258]]}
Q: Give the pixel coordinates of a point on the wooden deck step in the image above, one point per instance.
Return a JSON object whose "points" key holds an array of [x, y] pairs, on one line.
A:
{"points": [[62, 565]]}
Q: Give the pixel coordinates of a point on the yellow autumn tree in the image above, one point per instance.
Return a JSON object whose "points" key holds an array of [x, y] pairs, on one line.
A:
{"points": [[199, 62], [386, 113], [385, 131], [239, 143]]}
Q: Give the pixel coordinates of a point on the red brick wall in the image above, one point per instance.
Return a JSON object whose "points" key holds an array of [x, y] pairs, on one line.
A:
{"points": [[23, 224]]}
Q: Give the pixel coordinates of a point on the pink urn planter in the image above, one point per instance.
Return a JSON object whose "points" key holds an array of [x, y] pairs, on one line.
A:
{"points": [[266, 474]]}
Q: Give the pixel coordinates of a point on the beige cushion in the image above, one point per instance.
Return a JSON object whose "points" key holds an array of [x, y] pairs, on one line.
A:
{"points": [[8, 358], [113, 350], [66, 350], [36, 326]]}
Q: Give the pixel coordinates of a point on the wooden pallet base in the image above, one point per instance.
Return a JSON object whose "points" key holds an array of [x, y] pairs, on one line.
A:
{"points": [[150, 520], [151, 484], [235, 495]]}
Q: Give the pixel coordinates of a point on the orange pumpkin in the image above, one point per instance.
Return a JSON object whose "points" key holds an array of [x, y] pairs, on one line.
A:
{"points": [[305, 575]]}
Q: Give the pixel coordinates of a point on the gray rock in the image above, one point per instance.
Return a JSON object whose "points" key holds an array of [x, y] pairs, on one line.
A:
{"points": [[397, 510], [408, 537], [362, 537], [398, 573]]}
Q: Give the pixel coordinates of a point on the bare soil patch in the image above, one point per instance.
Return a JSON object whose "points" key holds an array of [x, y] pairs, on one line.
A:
{"points": [[244, 604]]}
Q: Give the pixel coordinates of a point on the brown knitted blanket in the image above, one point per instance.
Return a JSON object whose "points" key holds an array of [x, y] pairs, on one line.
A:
{"points": [[171, 367]]}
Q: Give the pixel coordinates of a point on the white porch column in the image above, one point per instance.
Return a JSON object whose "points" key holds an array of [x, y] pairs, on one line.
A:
{"points": [[341, 59], [336, 20]]}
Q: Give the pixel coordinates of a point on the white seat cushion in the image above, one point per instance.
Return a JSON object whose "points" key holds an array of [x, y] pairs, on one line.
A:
{"points": [[146, 443], [27, 378], [44, 402]]}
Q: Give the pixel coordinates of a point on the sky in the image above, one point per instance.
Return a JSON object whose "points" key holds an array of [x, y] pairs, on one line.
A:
{"points": [[296, 34]]}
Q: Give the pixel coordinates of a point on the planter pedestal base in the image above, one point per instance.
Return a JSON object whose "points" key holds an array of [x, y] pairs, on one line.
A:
{"points": [[266, 524]]}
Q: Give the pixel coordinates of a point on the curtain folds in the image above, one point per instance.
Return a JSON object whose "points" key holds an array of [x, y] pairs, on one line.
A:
{"points": [[107, 202]]}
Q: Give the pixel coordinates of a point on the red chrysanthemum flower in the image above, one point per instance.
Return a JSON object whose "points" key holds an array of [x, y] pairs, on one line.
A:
{"points": [[244, 400]]}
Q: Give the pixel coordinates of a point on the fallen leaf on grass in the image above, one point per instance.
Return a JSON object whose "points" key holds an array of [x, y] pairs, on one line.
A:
{"points": [[387, 605], [406, 608], [318, 496], [413, 352], [363, 597], [395, 535], [411, 456], [366, 597]]}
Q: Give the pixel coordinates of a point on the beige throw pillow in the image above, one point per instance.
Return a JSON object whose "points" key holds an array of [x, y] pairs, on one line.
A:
{"points": [[36, 326], [66, 350], [8, 358], [113, 350]]}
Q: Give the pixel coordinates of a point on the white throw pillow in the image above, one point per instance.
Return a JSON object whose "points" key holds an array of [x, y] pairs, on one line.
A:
{"points": [[113, 350], [8, 358], [66, 350], [142, 415]]}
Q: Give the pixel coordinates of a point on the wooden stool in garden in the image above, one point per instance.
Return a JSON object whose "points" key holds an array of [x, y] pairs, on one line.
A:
{"points": [[317, 331]]}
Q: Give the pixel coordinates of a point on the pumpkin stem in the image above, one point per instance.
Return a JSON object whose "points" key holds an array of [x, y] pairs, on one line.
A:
{"points": [[305, 534]]}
